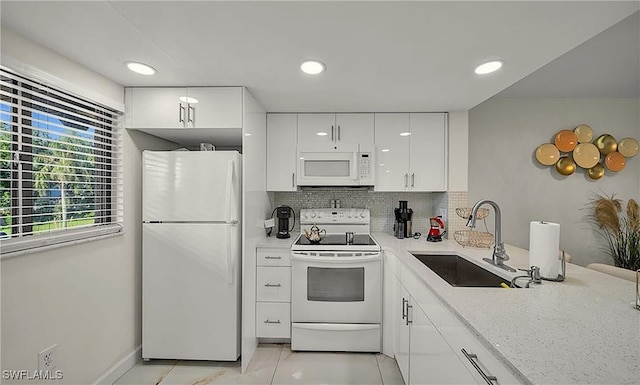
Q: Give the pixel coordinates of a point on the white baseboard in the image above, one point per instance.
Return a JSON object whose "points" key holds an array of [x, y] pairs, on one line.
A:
{"points": [[112, 374]]}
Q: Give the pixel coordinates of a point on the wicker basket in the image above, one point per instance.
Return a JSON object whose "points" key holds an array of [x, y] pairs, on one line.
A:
{"points": [[464, 212], [473, 238]]}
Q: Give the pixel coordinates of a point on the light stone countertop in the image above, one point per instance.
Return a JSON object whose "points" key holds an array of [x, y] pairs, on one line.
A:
{"points": [[277, 243], [580, 331]]}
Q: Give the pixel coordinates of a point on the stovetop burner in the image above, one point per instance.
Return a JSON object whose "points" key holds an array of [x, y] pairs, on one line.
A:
{"points": [[338, 240]]}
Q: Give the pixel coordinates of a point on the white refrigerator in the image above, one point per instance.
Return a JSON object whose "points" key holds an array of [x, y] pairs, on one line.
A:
{"points": [[191, 250]]}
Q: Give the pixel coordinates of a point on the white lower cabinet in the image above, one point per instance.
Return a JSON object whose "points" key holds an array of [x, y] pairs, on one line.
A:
{"points": [[273, 320], [429, 341], [422, 353], [273, 293]]}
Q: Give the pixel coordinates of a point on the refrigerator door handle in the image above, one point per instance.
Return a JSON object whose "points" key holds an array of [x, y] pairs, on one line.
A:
{"points": [[230, 167], [229, 259]]}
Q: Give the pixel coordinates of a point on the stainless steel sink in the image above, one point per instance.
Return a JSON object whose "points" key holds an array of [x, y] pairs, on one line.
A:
{"points": [[459, 272]]}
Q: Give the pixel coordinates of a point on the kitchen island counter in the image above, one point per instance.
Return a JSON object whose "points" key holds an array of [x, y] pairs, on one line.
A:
{"points": [[580, 331]]}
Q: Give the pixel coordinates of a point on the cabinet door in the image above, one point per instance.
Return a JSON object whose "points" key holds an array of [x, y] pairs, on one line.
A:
{"points": [[428, 152], [155, 108], [316, 132], [281, 152], [354, 129], [460, 337], [402, 330], [431, 359], [217, 107], [392, 152]]}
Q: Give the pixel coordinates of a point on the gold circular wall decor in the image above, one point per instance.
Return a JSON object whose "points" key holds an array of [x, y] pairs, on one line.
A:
{"points": [[584, 133], [606, 144], [547, 154], [614, 161], [628, 147], [566, 140], [596, 172], [570, 149], [586, 155], [565, 166]]}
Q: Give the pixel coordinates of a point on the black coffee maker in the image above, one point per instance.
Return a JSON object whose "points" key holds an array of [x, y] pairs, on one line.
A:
{"points": [[402, 225], [284, 214]]}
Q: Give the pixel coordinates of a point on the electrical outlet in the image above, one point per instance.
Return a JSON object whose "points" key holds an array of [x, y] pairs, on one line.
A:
{"points": [[47, 358], [443, 213]]}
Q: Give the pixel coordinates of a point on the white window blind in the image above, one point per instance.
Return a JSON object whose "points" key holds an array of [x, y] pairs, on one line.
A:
{"points": [[60, 166]]}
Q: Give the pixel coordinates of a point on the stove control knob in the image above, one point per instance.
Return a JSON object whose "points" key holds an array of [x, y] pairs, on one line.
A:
{"points": [[313, 214], [362, 214]]}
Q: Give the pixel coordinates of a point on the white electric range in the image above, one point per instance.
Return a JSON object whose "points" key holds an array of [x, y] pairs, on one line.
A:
{"points": [[336, 284]]}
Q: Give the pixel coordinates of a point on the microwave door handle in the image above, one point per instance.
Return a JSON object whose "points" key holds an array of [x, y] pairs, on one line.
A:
{"points": [[355, 167]]}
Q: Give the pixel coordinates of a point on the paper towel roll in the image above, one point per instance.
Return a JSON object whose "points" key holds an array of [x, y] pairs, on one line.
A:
{"points": [[544, 243]]}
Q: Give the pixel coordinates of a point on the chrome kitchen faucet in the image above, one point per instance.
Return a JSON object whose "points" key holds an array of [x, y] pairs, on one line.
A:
{"points": [[499, 254]]}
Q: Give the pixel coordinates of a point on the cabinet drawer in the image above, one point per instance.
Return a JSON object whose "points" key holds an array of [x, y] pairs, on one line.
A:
{"points": [[273, 320], [273, 257], [274, 284], [460, 337]]}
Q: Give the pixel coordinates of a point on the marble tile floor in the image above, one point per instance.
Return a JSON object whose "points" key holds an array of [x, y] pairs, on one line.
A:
{"points": [[272, 364]]}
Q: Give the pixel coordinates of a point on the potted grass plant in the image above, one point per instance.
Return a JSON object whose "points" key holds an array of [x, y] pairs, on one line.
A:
{"points": [[620, 227]]}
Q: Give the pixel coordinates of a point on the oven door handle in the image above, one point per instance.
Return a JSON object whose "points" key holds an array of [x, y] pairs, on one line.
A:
{"points": [[336, 260]]}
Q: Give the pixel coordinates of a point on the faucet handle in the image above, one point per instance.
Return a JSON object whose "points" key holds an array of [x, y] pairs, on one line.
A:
{"points": [[534, 274]]}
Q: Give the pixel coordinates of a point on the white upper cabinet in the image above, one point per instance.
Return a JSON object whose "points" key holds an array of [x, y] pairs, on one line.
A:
{"points": [[392, 152], [281, 152], [217, 107], [184, 107], [427, 151], [354, 129], [411, 151], [155, 107], [316, 131], [330, 132]]}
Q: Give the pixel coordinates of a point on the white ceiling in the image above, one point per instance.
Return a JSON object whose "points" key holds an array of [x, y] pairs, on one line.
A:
{"points": [[380, 56], [606, 66]]}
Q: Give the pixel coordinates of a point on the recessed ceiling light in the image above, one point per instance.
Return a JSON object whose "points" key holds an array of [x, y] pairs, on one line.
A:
{"points": [[312, 67], [321, 133], [140, 68], [188, 99], [405, 133], [488, 67], [385, 150]]}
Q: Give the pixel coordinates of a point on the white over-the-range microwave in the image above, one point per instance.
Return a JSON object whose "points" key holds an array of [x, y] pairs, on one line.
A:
{"points": [[348, 165]]}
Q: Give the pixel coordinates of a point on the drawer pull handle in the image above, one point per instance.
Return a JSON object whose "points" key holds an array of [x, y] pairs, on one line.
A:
{"points": [[473, 358], [272, 285], [270, 257], [272, 322]]}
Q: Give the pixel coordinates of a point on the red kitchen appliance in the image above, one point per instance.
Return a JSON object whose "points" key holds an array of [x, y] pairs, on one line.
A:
{"points": [[437, 229]]}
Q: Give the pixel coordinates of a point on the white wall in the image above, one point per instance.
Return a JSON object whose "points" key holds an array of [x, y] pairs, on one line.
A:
{"points": [[503, 136], [85, 298], [255, 209]]}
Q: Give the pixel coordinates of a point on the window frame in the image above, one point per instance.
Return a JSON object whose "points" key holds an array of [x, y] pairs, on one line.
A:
{"points": [[106, 167]]}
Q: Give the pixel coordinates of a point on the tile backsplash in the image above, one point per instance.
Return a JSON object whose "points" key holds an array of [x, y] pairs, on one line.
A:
{"points": [[382, 204]]}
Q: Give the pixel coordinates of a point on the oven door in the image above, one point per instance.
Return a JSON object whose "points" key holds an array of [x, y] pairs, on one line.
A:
{"points": [[334, 288]]}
